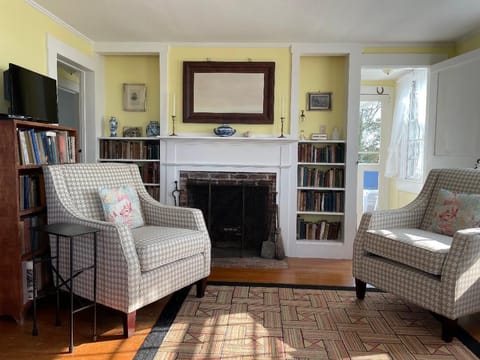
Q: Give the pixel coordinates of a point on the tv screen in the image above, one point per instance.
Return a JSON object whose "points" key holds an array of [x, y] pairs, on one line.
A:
{"points": [[31, 94]]}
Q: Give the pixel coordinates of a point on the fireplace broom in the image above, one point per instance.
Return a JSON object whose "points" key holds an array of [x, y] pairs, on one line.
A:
{"points": [[279, 248], [268, 246]]}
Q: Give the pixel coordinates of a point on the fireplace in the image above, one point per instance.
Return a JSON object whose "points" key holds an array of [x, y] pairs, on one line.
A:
{"points": [[237, 206]]}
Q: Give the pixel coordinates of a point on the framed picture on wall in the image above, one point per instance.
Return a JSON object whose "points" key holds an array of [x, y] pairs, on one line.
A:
{"points": [[319, 101], [134, 97]]}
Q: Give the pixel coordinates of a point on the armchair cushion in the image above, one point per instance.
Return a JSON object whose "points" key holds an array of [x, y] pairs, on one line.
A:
{"points": [[158, 245], [420, 249], [455, 211], [121, 205]]}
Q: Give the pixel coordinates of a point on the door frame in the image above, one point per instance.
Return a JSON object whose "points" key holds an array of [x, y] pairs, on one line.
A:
{"points": [[368, 94], [88, 127]]}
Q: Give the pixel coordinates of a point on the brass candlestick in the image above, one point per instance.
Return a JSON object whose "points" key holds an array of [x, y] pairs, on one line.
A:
{"points": [[173, 126], [282, 119]]}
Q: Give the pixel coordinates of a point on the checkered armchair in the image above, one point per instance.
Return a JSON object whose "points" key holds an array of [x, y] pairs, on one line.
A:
{"points": [[397, 251], [135, 267]]}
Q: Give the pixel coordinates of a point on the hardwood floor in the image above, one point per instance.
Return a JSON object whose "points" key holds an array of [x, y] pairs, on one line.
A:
{"points": [[17, 342]]}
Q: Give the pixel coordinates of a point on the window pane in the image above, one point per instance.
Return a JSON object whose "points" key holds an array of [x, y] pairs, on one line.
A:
{"points": [[369, 140]]}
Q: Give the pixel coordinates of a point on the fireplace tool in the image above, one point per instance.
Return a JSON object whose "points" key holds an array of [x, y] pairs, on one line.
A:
{"points": [[268, 246], [279, 248]]}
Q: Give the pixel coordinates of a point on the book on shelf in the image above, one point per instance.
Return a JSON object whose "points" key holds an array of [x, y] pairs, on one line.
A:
{"points": [[27, 286], [42, 278], [45, 147], [319, 230]]}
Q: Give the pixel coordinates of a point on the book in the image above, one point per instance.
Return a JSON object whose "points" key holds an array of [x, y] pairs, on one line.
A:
{"points": [[36, 153], [27, 272], [25, 158]]}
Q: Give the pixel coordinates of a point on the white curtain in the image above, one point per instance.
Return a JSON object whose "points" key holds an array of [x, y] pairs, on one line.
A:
{"points": [[398, 138]]}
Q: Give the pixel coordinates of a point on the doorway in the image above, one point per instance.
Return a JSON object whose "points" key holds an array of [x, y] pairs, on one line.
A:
{"points": [[374, 136], [69, 83]]}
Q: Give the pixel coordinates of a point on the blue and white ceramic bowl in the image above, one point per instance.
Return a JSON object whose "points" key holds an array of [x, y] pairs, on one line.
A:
{"points": [[224, 130]]}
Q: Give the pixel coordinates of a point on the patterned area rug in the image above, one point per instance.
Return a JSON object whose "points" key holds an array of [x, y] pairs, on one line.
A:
{"points": [[249, 263], [246, 321]]}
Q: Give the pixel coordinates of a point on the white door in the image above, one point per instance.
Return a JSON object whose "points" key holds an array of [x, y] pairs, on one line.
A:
{"points": [[375, 124]]}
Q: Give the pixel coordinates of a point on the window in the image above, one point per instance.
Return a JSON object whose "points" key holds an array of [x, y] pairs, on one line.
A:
{"points": [[370, 125], [406, 149]]}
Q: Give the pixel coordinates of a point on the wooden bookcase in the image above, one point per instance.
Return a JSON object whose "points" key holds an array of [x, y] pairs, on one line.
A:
{"points": [[143, 151], [14, 237]]}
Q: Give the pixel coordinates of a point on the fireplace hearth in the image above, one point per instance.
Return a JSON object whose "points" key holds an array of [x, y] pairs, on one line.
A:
{"points": [[238, 208]]}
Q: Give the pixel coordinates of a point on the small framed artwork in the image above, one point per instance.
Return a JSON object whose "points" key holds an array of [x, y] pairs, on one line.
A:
{"points": [[134, 97], [319, 101]]}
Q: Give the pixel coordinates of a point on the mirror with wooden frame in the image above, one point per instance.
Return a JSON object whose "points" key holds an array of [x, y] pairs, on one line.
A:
{"points": [[228, 92]]}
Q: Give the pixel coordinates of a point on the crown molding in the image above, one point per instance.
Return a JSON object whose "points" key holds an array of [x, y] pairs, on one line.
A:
{"points": [[59, 21]]}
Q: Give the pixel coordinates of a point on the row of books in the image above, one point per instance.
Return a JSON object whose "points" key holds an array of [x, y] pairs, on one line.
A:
{"points": [[321, 153], [317, 177], [150, 172], [46, 147], [129, 149], [320, 230], [30, 240], [30, 187], [320, 201]]}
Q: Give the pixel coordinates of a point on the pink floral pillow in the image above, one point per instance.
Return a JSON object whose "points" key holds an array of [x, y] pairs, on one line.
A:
{"points": [[121, 205], [455, 211]]}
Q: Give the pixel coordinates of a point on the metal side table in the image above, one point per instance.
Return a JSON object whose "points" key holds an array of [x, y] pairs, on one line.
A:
{"points": [[70, 231]]}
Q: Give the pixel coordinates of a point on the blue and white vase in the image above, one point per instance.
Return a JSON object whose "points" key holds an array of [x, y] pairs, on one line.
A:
{"points": [[113, 122]]}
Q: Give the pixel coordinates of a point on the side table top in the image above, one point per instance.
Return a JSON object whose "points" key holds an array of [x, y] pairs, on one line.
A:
{"points": [[66, 229]]}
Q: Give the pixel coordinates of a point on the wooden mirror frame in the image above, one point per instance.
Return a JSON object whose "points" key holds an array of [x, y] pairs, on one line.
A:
{"points": [[190, 68]]}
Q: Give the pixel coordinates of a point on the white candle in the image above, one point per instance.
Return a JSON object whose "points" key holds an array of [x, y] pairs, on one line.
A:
{"points": [[173, 105], [282, 113]]}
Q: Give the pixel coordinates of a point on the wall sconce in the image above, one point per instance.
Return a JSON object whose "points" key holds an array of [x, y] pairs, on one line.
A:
{"points": [[302, 115]]}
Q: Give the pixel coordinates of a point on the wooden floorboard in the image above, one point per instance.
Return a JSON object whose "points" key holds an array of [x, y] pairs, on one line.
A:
{"points": [[17, 342]]}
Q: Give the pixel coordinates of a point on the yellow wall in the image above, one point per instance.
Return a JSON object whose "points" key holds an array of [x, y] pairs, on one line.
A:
{"points": [[133, 69], [398, 198], [468, 43], [323, 74], [281, 57], [23, 39]]}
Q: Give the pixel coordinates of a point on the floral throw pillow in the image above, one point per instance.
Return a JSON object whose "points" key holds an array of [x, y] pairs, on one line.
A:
{"points": [[455, 211], [121, 205]]}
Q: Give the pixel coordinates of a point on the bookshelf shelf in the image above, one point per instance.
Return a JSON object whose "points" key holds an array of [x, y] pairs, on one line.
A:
{"points": [[320, 191], [143, 151], [20, 162]]}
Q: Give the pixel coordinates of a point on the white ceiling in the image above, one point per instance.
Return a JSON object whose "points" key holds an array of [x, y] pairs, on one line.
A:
{"points": [[230, 21]]}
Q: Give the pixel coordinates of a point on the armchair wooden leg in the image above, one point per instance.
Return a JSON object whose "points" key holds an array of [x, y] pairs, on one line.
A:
{"points": [[360, 288], [201, 286], [449, 329], [129, 324]]}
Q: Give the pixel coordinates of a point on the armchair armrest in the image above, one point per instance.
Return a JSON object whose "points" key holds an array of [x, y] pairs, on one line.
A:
{"points": [[461, 273], [158, 214]]}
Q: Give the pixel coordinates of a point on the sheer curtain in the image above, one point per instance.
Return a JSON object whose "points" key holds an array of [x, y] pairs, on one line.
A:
{"points": [[412, 85]]}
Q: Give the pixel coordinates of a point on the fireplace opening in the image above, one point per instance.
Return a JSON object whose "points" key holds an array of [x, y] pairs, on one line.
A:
{"points": [[238, 217], [238, 208]]}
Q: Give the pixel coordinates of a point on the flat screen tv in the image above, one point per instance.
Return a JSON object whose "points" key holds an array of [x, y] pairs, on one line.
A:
{"points": [[31, 95]]}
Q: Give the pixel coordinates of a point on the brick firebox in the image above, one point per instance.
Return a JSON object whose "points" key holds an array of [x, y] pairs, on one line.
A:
{"points": [[238, 208]]}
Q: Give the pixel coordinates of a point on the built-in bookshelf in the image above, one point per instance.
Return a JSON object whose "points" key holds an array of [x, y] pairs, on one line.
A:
{"points": [[320, 190], [25, 147], [143, 151]]}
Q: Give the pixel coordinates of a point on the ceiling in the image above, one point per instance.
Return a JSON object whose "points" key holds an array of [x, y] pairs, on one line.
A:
{"points": [[234, 21]]}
